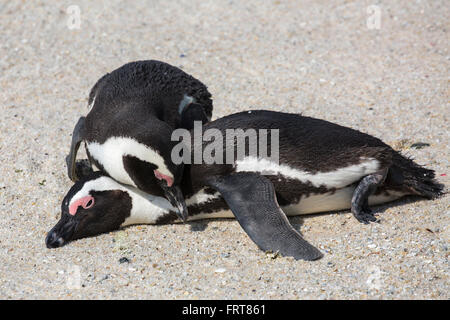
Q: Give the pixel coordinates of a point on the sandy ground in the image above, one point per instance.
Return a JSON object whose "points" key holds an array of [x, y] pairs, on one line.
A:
{"points": [[324, 59]]}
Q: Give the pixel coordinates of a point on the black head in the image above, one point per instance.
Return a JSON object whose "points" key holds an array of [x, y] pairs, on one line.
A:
{"points": [[94, 205], [158, 174]]}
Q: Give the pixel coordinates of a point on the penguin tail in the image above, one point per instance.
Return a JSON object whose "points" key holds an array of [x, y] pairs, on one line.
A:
{"points": [[412, 178]]}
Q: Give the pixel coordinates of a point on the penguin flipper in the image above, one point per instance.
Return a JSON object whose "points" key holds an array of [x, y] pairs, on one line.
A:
{"points": [[77, 137], [193, 112], [251, 197]]}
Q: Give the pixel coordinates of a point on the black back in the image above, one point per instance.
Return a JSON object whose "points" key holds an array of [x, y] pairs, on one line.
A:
{"points": [[141, 100], [309, 144], [141, 93], [305, 143]]}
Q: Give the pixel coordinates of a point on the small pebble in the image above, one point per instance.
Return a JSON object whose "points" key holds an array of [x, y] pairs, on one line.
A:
{"points": [[124, 260], [420, 145]]}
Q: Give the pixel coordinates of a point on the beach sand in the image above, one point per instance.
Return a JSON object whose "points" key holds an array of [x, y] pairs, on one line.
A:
{"points": [[331, 60]]}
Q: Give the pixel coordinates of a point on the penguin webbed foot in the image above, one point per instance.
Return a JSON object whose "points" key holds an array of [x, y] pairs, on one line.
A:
{"points": [[364, 215], [360, 203]]}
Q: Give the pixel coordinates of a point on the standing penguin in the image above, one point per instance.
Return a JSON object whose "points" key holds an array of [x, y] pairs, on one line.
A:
{"points": [[133, 111], [322, 167]]}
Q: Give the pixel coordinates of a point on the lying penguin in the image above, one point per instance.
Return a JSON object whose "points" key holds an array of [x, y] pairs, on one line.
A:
{"points": [[133, 111], [322, 167]]}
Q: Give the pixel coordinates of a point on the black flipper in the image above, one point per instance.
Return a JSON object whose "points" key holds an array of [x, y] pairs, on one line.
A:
{"points": [[360, 199], [77, 137], [193, 112], [251, 197]]}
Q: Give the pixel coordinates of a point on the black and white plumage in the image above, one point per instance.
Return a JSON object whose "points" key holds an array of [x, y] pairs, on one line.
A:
{"points": [[322, 167], [133, 111]]}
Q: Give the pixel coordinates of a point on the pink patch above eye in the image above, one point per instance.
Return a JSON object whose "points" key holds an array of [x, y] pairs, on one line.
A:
{"points": [[161, 176], [86, 203]]}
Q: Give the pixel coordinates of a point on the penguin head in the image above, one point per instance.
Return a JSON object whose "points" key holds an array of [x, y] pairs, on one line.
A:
{"points": [[95, 204], [155, 172]]}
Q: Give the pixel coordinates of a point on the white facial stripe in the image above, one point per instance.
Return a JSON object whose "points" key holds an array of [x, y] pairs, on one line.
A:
{"points": [[100, 184], [339, 178], [110, 155], [145, 208], [187, 100]]}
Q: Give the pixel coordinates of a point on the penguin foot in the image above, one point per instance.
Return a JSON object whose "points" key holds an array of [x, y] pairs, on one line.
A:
{"points": [[360, 204], [364, 215]]}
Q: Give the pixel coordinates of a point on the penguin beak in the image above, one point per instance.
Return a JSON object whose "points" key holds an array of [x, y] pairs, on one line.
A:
{"points": [[60, 233], [176, 199]]}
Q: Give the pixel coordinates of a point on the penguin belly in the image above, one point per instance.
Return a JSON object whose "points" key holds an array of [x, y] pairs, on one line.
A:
{"points": [[334, 201], [308, 204]]}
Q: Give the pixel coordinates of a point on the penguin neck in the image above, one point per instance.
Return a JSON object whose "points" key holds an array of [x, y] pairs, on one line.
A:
{"points": [[146, 208]]}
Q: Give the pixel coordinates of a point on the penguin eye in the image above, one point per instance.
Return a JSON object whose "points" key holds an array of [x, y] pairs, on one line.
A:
{"points": [[89, 203]]}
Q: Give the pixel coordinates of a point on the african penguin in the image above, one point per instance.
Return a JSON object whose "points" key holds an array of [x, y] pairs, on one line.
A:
{"points": [[322, 167], [132, 113]]}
